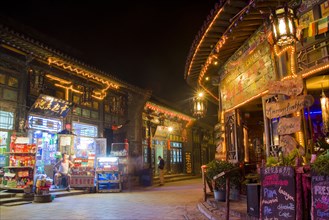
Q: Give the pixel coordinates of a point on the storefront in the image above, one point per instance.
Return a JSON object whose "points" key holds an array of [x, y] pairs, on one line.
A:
{"points": [[83, 154], [43, 133], [272, 96], [6, 126], [166, 132]]}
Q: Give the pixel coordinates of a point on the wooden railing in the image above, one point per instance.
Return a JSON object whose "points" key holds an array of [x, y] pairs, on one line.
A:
{"points": [[226, 174]]}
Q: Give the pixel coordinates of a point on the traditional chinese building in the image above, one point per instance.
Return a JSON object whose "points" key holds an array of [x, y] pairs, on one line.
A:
{"points": [[248, 69], [44, 93], [180, 139]]}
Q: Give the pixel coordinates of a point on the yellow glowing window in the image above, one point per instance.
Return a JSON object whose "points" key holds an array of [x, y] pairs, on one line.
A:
{"points": [[2, 78], [9, 95], [13, 82], [76, 99], [87, 104], [95, 105], [107, 107]]}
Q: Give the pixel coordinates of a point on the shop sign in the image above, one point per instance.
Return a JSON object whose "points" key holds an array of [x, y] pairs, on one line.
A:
{"points": [[50, 106], [286, 107], [161, 132], [287, 143], [289, 125], [188, 162], [291, 87], [320, 197], [248, 73], [278, 193]]}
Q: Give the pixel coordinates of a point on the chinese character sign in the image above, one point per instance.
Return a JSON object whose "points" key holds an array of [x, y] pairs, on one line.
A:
{"points": [[50, 106]]}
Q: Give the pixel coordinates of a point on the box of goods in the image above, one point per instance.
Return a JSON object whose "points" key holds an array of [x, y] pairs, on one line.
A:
{"points": [[20, 148], [23, 173], [12, 183]]}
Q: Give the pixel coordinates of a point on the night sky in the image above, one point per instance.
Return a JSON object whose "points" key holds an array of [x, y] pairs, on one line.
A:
{"points": [[144, 43]]}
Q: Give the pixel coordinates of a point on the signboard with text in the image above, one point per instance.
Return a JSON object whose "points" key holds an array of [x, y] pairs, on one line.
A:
{"points": [[289, 125], [290, 87], [278, 193], [289, 106], [320, 197], [188, 162], [50, 106]]}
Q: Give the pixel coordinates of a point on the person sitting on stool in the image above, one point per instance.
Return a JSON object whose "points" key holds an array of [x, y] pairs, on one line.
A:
{"points": [[62, 170]]}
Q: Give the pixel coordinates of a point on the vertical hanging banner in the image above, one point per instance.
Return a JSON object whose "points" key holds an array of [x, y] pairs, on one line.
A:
{"points": [[278, 193], [188, 162]]}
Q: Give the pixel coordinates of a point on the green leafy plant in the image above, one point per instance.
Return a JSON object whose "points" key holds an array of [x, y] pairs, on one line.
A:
{"points": [[321, 144], [321, 164], [215, 167]]}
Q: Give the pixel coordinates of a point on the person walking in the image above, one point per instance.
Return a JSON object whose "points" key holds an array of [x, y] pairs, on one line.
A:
{"points": [[161, 170]]}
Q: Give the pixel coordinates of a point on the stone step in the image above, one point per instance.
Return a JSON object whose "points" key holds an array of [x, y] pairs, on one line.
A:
{"points": [[17, 203], [10, 200], [7, 195], [175, 178]]}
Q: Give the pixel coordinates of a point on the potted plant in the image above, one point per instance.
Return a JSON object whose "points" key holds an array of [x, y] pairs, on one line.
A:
{"points": [[321, 163], [214, 168]]}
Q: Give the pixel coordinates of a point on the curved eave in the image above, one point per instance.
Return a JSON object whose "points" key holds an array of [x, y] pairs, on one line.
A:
{"points": [[234, 20], [43, 52]]}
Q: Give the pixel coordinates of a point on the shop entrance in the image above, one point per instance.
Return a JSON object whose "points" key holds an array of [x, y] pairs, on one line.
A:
{"points": [[158, 152], [251, 128], [43, 133]]}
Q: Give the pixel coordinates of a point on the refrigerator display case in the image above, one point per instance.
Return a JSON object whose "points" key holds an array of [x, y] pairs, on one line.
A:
{"points": [[120, 150], [4, 142], [46, 148], [108, 176]]}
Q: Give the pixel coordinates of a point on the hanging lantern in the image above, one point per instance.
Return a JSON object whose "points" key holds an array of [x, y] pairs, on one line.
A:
{"points": [[283, 22], [325, 111], [199, 106]]}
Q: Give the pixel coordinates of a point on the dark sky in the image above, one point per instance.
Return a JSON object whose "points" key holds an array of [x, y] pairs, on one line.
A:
{"points": [[144, 43]]}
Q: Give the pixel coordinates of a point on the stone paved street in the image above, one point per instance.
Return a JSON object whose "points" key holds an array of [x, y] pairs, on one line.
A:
{"points": [[177, 200]]}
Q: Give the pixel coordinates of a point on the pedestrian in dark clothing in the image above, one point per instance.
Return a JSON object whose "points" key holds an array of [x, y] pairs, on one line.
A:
{"points": [[161, 170]]}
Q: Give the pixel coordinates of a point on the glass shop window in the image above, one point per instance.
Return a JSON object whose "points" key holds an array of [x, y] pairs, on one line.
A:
{"points": [[76, 99], [107, 108], [6, 120], [95, 105], [10, 95], [86, 113], [77, 111], [94, 114]]}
